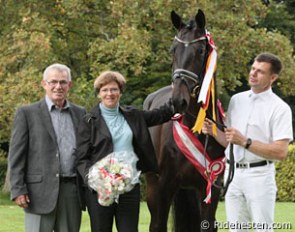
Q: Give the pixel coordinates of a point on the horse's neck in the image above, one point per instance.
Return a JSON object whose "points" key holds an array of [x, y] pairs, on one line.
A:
{"points": [[189, 120], [191, 113]]}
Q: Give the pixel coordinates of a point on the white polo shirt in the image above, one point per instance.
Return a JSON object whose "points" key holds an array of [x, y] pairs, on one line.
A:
{"points": [[263, 117]]}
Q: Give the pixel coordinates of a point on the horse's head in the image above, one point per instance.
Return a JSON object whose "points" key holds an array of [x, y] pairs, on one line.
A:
{"points": [[189, 51]]}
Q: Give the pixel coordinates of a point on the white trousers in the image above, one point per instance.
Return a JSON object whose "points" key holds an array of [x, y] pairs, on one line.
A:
{"points": [[250, 199]]}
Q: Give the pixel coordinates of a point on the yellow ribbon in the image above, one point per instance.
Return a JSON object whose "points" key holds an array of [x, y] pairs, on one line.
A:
{"points": [[202, 112]]}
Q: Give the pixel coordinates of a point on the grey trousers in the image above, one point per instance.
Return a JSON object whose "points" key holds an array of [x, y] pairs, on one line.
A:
{"points": [[66, 217]]}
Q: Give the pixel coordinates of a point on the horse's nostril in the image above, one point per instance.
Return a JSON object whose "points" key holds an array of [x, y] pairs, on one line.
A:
{"points": [[183, 104]]}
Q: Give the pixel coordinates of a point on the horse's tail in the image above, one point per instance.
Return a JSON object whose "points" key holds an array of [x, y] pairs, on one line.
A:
{"points": [[186, 211]]}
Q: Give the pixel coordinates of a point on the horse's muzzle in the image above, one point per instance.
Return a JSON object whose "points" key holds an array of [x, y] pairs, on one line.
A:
{"points": [[180, 105]]}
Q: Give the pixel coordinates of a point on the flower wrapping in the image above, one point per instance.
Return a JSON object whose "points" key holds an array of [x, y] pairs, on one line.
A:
{"points": [[113, 175]]}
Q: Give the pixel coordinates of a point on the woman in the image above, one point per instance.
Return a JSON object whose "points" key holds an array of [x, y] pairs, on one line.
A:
{"points": [[111, 128]]}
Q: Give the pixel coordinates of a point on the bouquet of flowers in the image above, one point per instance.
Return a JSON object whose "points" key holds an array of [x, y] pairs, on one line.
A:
{"points": [[113, 175]]}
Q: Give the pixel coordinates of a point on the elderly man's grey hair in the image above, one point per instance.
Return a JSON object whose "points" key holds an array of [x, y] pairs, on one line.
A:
{"points": [[59, 67]]}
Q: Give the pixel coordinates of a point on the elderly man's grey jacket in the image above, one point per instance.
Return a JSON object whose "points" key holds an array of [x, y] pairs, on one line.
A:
{"points": [[33, 156]]}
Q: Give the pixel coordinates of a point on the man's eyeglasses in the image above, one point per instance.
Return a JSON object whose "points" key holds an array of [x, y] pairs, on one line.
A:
{"points": [[62, 83], [112, 90]]}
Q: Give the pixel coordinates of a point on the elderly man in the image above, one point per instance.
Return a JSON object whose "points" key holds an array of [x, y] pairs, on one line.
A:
{"points": [[42, 159]]}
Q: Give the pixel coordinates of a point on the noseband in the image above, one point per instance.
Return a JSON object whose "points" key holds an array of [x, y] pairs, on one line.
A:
{"points": [[183, 73], [186, 74]]}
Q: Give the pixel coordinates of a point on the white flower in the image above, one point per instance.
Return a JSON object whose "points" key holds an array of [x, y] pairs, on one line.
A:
{"points": [[113, 175]]}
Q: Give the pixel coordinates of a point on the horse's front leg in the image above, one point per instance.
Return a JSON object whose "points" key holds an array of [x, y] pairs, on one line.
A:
{"points": [[152, 183], [208, 219], [159, 198]]}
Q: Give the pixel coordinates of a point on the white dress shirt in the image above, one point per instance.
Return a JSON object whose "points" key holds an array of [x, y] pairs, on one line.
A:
{"points": [[263, 117]]}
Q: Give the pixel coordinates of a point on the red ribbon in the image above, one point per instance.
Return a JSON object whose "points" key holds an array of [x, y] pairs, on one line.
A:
{"points": [[193, 150]]}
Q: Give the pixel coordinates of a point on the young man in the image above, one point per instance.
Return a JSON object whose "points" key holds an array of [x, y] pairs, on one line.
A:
{"points": [[260, 127]]}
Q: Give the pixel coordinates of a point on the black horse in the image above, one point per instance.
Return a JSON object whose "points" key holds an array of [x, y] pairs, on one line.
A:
{"points": [[179, 183]]}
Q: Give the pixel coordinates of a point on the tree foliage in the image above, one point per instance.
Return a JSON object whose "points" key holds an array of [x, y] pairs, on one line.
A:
{"points": [[281, 18], [132, 37]]}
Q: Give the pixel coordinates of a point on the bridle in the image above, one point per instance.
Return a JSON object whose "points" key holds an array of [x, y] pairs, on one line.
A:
{"points": [[186, 74], [186, 43]]}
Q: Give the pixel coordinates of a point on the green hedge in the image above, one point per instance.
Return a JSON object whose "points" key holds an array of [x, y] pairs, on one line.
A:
{"points": [[285, 177]]}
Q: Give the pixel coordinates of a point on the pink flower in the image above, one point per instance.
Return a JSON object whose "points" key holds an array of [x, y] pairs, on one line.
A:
{"points": [[113, 175]]}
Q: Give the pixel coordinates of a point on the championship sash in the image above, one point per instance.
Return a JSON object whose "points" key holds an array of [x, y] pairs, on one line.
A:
{"points": [[194, 151]]}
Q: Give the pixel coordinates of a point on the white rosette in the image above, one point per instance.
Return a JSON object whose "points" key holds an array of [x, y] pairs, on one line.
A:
{"points": [[113, 175]]}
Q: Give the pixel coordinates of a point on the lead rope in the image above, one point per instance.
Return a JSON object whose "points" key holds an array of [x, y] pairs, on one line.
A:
{"points": [[231, 170]]}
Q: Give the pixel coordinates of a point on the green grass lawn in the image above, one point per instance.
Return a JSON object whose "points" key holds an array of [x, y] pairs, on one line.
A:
{"points": [[11, 216]]}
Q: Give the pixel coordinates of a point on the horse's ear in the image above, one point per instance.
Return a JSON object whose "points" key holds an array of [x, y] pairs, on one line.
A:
{"points": [[200, 19], [176, 20]]}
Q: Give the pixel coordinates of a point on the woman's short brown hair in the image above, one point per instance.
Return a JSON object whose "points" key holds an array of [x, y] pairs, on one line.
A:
{"points": [[109, 76]]}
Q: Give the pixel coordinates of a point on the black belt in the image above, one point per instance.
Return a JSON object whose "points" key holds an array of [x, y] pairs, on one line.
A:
{"points": [[66, 179], [251, 165]]}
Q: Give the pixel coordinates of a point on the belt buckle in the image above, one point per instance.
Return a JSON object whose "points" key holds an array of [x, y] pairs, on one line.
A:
{"points": [[243, 165]]}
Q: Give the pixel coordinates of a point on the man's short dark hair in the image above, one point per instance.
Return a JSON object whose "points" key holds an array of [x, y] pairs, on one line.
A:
{"points": [[273, 60]]}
